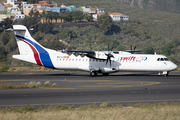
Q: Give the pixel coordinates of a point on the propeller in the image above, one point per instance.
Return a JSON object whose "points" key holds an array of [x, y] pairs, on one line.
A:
{"points": [[109, 55]]}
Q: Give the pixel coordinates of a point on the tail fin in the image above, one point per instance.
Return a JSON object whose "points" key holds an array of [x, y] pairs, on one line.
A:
{"points": [[24, 39], [30, 50]]}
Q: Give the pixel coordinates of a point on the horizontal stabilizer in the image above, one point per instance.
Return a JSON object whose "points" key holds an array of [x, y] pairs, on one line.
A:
{"points": [[27, 58]]}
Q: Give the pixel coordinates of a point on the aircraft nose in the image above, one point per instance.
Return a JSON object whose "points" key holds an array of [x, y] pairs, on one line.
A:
{"points": [[174, 66]]}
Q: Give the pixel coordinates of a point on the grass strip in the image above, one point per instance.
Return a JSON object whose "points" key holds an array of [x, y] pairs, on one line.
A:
{"points": [[31, 84], [105, 111]]}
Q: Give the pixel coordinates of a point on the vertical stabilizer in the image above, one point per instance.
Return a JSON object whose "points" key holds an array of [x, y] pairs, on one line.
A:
{"points": [[23, 39], [30, 50]]}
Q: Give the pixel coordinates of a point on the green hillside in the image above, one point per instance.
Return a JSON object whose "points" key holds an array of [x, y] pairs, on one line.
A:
{"points": [[161, 5], [157, 32]]}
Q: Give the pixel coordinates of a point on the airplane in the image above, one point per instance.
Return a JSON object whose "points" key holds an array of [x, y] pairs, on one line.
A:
{"points": [[104, 62]]}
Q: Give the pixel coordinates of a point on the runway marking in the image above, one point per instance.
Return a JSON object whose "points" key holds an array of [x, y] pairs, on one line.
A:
{"points": [[111, 84], [96, 86], [57, 88], [90, 81], [12, 80], [120, 73]]}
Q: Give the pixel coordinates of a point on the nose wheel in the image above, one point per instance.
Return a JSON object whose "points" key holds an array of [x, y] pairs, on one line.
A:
{"points": [[165, 73]]}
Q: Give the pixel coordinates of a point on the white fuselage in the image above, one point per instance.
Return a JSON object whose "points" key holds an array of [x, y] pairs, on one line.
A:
{"points": [[120, 62]]}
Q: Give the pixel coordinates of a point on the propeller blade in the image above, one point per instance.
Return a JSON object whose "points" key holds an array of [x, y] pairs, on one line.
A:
{"points": [[134, 48], [109, 55], [106, 60], [110, 61]]}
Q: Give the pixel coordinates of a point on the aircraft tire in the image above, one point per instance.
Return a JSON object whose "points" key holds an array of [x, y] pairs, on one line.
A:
{"points": [[93, 74], [165, 75]]}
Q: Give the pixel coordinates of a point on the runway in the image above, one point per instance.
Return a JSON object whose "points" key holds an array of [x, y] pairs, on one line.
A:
{"points": [[79, 88]]}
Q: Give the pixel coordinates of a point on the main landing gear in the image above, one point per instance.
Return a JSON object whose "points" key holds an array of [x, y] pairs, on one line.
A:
{"points": [[93, 73]]}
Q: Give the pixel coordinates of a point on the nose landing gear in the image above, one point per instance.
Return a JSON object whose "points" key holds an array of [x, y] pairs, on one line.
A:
{"points": [[165, 73]]}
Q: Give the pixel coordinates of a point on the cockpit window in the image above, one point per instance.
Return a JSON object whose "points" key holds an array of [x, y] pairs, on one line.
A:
{"points": [[162, 59], [166, 59]]}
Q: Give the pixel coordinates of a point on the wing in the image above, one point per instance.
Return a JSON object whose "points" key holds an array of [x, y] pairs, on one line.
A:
{"points": [[90, 54], [132, 51]]}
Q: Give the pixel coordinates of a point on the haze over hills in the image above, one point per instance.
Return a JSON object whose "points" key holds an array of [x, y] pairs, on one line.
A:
{"points": [[161, 5]]}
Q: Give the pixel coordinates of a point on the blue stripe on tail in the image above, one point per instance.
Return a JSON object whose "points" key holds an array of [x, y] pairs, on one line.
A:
{"points": [[44, 55]]}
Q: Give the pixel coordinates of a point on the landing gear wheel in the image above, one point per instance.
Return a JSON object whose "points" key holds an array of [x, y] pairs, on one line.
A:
{"points": [[93, 73], [105, 74], [165, 75]]}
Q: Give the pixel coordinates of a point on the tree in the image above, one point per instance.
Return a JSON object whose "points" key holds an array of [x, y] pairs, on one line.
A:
{"points": [[105, 23], [77, 15], [31, 22], [6, 24], [50, 15], [167, 51], [36, 14], [5, 38], [148, 50], [3, 53], [88, 18], [68, 16], [31, 13], [61, 16], [55, 15]]}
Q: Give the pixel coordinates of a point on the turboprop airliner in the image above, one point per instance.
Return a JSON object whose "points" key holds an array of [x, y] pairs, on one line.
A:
{"points": [[103, 62]]}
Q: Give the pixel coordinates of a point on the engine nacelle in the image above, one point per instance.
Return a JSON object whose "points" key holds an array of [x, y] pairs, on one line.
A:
{"points": [[109, 70]]}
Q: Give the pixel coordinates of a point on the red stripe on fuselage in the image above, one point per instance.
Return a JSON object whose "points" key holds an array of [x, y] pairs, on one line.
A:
{"points": [[36, 54]]}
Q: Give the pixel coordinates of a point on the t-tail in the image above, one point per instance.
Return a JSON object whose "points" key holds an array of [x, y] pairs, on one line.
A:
{"points": [[30, 50]]}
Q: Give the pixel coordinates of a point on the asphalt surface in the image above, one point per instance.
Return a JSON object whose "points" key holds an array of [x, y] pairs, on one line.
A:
{"points": [[79, 88]]}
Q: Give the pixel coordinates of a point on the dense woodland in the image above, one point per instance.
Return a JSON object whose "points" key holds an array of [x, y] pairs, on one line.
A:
{"points": [[121, 35]]}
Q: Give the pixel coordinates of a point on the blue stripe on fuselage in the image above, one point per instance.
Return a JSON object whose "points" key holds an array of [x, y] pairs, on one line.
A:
{"points": [[44, 55]]}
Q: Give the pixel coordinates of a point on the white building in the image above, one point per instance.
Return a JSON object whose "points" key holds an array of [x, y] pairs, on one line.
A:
{"points": [[16, 12], [90, 10], [13, 9], [85, 9], [11, 2], [27, 6], [115, 16], [100, 10], [1, 8]]}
